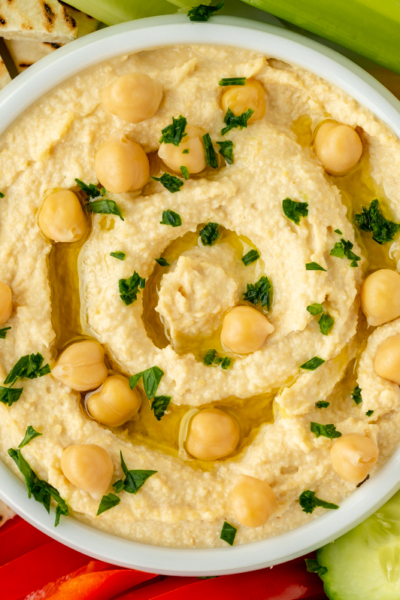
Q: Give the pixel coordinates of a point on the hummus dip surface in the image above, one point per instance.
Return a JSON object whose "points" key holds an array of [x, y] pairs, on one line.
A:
{"points": [[265, 223]]}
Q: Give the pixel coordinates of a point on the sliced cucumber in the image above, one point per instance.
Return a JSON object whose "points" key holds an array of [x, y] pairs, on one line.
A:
{"points": [[364, 564]]}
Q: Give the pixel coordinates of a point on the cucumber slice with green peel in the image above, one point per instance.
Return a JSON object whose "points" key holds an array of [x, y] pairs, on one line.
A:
{"points": [[364, 564]]}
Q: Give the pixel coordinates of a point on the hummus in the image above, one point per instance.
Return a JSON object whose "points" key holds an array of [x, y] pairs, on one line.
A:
{"points": [[65, 292]]}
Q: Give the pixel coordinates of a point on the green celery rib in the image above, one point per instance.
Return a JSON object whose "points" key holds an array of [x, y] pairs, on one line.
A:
{"points": [[112, 12], [369, 27]]}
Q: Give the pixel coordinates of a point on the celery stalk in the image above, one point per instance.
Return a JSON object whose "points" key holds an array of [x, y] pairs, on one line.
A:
{"points": [[112, 12], [369, 27]]}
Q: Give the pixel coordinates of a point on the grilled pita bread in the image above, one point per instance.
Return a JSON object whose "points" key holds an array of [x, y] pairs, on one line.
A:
{"points": [[5, 513], [4, 75], [25, 52], [44, 20]]}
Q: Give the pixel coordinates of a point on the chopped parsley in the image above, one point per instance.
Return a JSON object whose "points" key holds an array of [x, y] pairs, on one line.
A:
{"points": [[160, 405], [42, 491], [250, 257], [185, 172], [313, 566], [322, 404], [232, 81], [344, 249], [228, 533], [171, 183], [151, 379], [313, 266], [107, 502], [328, 431], [105, 207], [211, 156], [240, 121], [226, 150], [91, 190], [371, 219], [133, 479], [294, 210], [209, 234], [259, 292], [30, 435], [173, 133], [315, 309], [369, 413], [129, 288], [169, 217], [309, 502], [119, 255], [3, 332], [162, 262], [338, 232], [185, 151], [211, 358], [10, 395], [29, 366], [356, 395], [326, 323], [313, 364], [1, 195], [203, 12]]}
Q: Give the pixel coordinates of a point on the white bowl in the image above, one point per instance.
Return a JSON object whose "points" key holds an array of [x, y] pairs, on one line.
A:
{"points": [[290, 47]]}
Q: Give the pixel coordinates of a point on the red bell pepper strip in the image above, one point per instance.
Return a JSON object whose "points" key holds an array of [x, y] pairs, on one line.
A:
{"points": [[167, 584], [19, 538], [52, 587]]}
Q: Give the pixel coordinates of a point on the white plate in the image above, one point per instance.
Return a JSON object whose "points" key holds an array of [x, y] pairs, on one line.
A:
{"points": [[271, 41]]}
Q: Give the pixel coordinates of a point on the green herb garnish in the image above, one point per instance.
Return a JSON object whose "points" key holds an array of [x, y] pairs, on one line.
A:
{"points": [[211, 156], [344, 249], [169, 217], [313, 363], [173, 133], [328, 431], [294, 210], [151, 379], [133, 479], [162, 262], [119, 255], [91, 190], [30, 435], [42, 491], [209, 234], [309, 502], [104, 207], [371, 219], [185, 172], [259, 292], [326, 323], [240, 121], [338, 232], [369, 413], [203, 12], [356, 395], [313, 566], [107, 502], [29, 366], [10, 395], [313, 266], [211, 358], [160, 405], [185, 151], [3, 332], [250, 257], [171, 183], [129, 288], [1, 195], [322, 404], [232, 81], [228, 533], [315, 309], [226, 150]]}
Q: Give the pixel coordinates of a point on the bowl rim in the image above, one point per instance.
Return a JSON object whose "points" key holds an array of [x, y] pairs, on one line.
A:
{"points": [[282, 44]]}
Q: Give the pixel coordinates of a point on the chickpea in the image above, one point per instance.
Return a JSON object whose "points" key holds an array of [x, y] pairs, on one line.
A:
{"points": [[353, 456], [81, 366], [174, 158], [121, 165], [6, 304], [115, 403], [212, 434], [134, 97], [244, 330], [240, 98], [387, 359], [88, 467], [61, 217], [380, 297], [338, 147], [253, 501]]}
